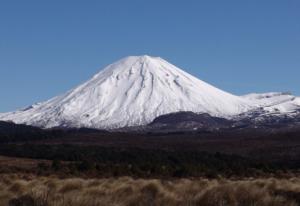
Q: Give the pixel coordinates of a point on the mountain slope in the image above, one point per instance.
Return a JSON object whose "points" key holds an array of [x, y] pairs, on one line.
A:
{"points": [[275, 103], [131, 92]]}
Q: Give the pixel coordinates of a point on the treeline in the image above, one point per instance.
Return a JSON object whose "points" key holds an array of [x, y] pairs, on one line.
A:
{"points": [[11, 133], [138, 162]]}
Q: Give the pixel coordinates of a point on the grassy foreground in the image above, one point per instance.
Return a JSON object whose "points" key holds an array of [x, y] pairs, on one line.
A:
{"points": [[42, 191]]}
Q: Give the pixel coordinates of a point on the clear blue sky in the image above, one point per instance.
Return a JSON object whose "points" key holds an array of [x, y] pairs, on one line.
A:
{"points": [[48, 47]]}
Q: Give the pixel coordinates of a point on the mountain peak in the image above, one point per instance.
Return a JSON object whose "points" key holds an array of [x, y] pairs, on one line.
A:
{"points": [[132, 64], [141, 58], [144, 57]]}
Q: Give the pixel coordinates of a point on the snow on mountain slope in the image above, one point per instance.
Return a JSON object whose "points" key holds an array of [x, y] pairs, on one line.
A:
{"points": [[268, 99], [132, 91], [280, 103]]}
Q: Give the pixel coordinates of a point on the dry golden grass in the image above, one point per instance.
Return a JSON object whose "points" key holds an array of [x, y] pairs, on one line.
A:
{"points": [[126, 191]]}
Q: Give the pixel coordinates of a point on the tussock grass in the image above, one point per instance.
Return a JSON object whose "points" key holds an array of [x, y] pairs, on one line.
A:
{"points": [[127, 191]]}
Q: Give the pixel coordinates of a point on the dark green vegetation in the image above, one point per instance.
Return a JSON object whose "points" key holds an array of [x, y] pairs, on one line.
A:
{"points": [[99, 153], [10, 132], [137, 162]]}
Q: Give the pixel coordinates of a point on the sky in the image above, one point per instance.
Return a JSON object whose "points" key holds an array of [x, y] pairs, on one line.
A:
{"points": [[240, 46]]}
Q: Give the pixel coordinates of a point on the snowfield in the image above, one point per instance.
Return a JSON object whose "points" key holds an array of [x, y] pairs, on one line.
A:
{"points": [[282, 103], [135, 90]]}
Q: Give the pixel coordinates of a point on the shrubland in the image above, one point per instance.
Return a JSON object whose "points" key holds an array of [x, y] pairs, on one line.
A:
{"points": [[127, 191]]}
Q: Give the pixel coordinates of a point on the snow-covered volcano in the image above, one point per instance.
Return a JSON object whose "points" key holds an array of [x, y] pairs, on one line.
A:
{"points": [[133, 91]]}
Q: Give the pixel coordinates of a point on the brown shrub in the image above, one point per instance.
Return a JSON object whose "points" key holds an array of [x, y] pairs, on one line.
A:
{"points": [[18, 187], [70, 185]]}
